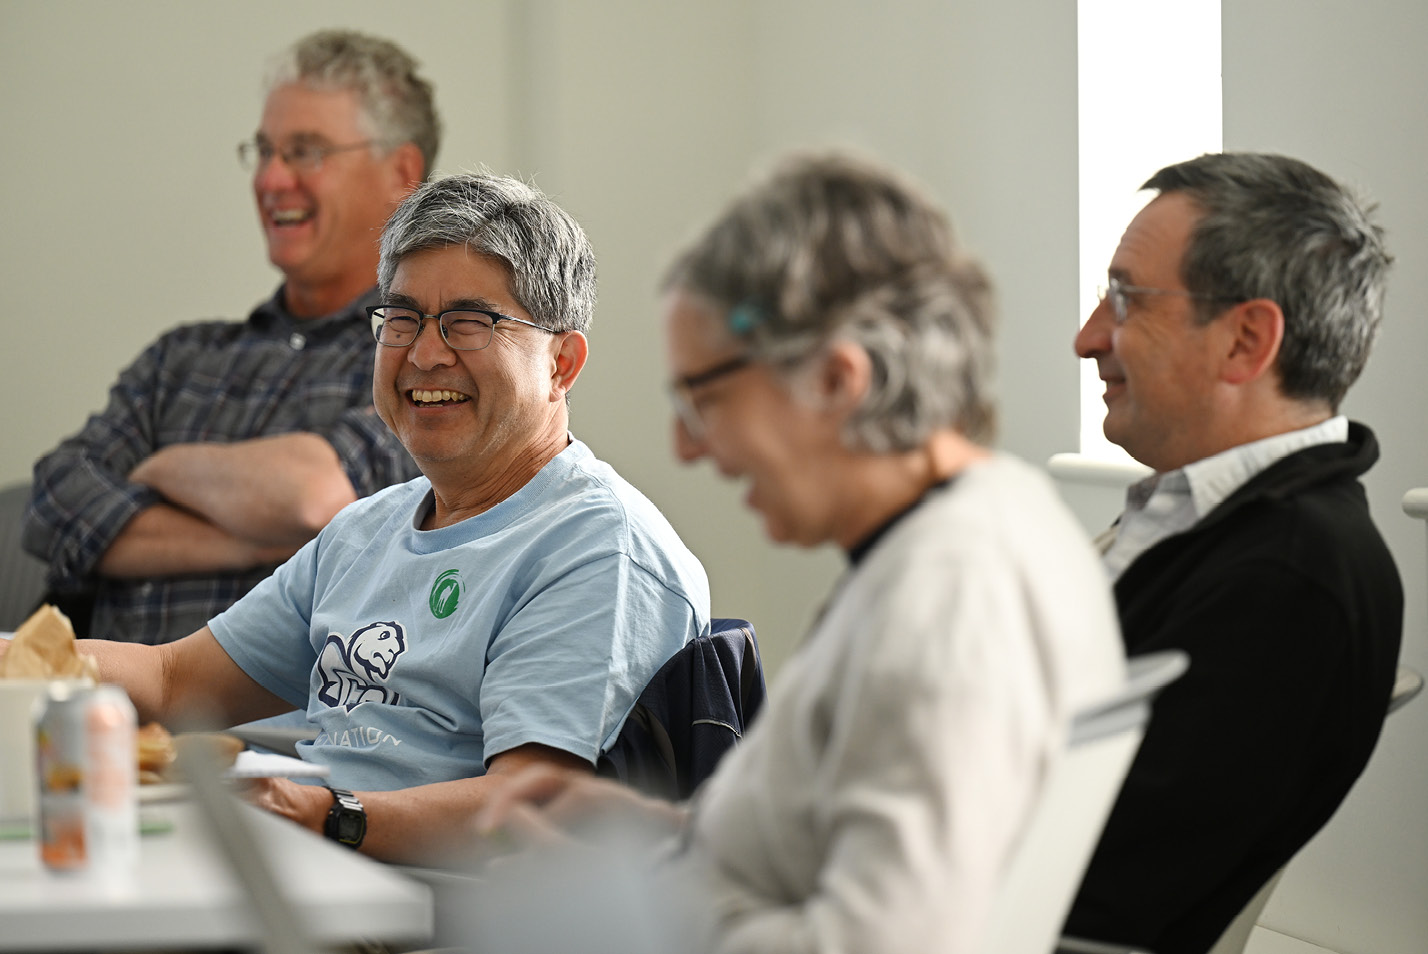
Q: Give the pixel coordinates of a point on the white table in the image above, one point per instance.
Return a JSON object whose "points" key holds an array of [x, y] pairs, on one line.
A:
{"points": [[184, 895]]}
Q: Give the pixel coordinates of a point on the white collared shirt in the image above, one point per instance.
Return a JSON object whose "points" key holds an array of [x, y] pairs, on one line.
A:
{"points": [[1162, 505]]}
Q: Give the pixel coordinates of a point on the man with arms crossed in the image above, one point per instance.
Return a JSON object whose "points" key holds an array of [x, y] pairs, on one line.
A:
{"points": [[505, 609], [227, 445], [1242, 304]]}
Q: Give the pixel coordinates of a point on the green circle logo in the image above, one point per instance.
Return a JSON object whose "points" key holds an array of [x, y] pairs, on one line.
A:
{"points": [[445, 593]]}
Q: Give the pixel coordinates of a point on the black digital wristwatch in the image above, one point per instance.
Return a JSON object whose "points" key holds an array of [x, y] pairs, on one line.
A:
{"points": [[347, 820]]}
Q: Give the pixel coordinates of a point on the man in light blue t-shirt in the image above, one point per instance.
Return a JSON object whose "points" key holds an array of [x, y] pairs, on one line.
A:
{"points": [[502, 610]]}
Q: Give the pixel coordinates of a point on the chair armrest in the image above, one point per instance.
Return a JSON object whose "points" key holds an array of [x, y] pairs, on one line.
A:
{"points": [[1079, 945], [280, 739]]}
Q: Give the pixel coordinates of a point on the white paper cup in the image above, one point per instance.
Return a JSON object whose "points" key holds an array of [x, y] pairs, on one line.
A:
{"points": [[19, 699]]}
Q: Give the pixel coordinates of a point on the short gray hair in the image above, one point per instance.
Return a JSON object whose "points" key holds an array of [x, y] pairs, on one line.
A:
{"points": [[551, 263], [833, 247], [397, 103], [1277, 228]]}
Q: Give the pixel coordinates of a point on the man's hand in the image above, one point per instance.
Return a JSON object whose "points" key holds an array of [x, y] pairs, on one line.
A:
{"points": [[307, 805], [271, 491], [229, 507], [541, 800], [163, 540], [426, 824]]}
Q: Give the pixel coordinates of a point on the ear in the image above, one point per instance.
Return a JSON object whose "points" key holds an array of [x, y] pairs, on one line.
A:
{"points": [[567, 362], [406, 165], [846, 376], [1256, 329]]}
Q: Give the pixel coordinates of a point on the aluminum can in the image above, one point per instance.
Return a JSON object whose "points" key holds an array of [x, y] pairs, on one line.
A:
{"points": [[88, 779]]}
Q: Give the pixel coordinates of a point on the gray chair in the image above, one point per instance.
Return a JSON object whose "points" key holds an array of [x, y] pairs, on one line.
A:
{"points": [[1051, 858], [22, 577], [1406, 685]]}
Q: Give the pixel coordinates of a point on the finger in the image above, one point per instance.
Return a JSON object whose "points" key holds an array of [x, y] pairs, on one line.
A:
{"points": [[584, 796], [534, 784], [530, 827]]}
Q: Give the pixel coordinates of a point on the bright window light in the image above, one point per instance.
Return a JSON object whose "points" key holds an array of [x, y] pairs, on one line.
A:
{"points": [[1148, 96]]}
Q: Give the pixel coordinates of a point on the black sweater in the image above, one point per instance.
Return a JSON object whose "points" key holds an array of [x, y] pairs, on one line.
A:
{"points": [[1288, 602]]}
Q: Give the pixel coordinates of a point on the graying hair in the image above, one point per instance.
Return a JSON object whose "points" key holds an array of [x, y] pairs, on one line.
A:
{"points": [[551, 263], [831, 247], [396, 103], [1274, 227]]}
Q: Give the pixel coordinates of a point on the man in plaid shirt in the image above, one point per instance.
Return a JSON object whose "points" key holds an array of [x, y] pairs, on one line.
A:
{"points": [[227, 445]]}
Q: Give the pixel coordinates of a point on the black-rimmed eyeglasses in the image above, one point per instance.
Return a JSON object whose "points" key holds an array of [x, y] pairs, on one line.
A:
{"points": [[302, 156], [1118, 293], [681, 390], [463, 329]]}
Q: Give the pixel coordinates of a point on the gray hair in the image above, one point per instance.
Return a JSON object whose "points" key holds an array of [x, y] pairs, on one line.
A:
{"points": [[1274, 227], [396, 103], [551, 263], [836, 248]]}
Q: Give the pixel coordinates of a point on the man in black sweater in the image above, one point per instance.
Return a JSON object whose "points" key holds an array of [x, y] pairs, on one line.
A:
{"points": [[1242, 304]]}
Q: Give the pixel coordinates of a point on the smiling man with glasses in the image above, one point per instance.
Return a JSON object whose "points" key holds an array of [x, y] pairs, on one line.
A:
{"points": [[227, 445], [503, 610], [1241, 306]]}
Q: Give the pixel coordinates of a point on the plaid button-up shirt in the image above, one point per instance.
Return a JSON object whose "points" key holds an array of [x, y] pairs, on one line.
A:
{"points": [[217, 381]]}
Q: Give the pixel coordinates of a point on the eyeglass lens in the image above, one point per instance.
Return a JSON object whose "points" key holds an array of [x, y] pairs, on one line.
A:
{"points": [[462, 330]]}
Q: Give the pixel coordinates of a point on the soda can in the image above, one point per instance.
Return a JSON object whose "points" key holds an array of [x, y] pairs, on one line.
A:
{"points": [[88, 779]]}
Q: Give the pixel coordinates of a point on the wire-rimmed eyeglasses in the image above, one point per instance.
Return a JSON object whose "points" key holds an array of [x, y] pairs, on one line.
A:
{"points": [[302, 155], [681, 391], [463, 329], [1118, 292]]}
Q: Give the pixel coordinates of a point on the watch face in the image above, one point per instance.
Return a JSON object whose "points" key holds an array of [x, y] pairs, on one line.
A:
{"points": [[350, 827]]}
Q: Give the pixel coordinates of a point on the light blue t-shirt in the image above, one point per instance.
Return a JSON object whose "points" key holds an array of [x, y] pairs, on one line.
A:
{"points": [[421, 654]]}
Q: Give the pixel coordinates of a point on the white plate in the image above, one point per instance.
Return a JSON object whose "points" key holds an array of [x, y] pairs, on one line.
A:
{"points": [[162, 792]]}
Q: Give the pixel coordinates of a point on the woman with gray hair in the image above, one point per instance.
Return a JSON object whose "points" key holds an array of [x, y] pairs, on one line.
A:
{"points": [[831, 346]]}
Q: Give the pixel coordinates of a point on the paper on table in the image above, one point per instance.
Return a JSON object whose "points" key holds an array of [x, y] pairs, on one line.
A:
{"points": [[250, 764]]}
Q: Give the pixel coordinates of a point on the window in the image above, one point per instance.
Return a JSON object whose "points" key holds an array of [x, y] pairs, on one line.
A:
{"points": [[1148, 96]]}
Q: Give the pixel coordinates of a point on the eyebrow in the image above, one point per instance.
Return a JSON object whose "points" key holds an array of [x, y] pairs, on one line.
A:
{"points": [[457, 304], [302, 136]]}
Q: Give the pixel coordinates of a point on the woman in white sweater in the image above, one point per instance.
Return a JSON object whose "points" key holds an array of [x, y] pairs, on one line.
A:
{"points": [[831, 347]]}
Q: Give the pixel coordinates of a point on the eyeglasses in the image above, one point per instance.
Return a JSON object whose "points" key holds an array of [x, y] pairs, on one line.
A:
{"points": [[304, 156], [681, 391], [463, 329], [1117, 292]]}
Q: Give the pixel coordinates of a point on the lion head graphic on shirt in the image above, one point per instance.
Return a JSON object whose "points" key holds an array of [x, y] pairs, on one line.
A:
{"points": [[356, 669]]}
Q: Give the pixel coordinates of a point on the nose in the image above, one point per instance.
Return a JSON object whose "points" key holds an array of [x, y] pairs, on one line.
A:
{"points": [[1094, 338], [687, 447], [274, 175], [430, 349]]}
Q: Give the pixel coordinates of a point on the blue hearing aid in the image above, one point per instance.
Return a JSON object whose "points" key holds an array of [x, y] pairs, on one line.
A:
{"points": [[744, 318]]}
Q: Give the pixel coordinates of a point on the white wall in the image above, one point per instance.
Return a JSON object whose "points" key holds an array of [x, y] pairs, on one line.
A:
{"points": [[124, 212], [1344, 86]]}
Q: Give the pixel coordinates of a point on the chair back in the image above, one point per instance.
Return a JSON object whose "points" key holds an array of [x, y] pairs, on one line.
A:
{"points": [[1051, 858], [22, 577], [1407, 684], [693, 711]]}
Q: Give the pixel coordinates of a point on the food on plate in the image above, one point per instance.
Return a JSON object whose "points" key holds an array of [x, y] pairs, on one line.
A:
{"points": [[156, 753], [44, 647], [219, 748], [159, 751]]}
